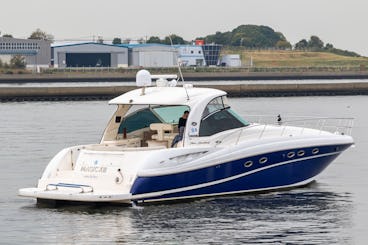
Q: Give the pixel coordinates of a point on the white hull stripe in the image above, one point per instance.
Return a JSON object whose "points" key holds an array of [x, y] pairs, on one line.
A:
{"points": [[234, 192]]}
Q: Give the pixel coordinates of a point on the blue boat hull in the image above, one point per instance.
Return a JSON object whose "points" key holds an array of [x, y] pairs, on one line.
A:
{"points": [[268, 171]]}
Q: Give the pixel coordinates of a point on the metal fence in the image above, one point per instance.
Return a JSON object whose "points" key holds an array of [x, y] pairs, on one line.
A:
{"points": [[133, 70]]}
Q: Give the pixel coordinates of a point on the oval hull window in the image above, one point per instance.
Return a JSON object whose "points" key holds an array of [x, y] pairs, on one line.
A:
{"points": [[248, 164], [263, 160]]}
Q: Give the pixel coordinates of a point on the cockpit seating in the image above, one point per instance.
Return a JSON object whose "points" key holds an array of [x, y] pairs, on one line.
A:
{"points": [[164, 136]]}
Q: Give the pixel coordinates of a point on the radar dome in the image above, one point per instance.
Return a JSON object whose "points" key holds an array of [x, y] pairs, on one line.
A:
{"points": [[143, 78]]}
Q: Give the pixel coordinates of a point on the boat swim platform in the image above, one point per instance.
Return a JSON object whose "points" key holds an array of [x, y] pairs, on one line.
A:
{"points": [[65, 93]]}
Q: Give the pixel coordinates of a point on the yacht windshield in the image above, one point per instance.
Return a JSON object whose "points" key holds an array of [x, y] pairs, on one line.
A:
{"points": [[170, 114], [218, 117], [144, 116], [138, 120]]}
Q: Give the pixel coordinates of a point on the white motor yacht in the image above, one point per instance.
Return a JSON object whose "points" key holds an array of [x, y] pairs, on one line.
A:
{"points": [[220, 153]]}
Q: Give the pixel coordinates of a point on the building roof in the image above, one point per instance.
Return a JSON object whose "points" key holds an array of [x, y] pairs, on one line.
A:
{"points": [[12, 39], [143, 45], [86, 43]]}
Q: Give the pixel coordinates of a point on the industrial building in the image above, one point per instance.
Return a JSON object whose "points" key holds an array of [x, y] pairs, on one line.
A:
{"points": [[36, 52], [152, 55], [191, 55], [89, 54], [231, 60], [40, 53], [199, 55], [212, 53]]}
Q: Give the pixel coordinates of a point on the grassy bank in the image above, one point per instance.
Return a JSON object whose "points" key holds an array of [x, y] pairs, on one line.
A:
{"points": [[292, 58], [266, 61]]}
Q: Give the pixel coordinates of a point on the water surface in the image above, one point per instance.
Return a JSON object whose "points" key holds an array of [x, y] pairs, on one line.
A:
{"points": [[334, 210]]}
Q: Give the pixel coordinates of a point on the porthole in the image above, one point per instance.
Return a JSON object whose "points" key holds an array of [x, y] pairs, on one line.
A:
{"points": [[315, 151], [291, 154], [263, 160], [248, 164], [301, 153]]}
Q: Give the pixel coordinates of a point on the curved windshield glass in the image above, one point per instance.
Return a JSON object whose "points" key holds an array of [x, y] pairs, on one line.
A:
{"points": [[220, 120], [214, 105], [246, 123], [138, 120], [170, 114], [142, 118]]}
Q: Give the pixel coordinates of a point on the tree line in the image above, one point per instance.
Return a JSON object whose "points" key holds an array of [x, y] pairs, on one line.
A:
{"points": [[16, 62], [317, 45], [247, 36]]}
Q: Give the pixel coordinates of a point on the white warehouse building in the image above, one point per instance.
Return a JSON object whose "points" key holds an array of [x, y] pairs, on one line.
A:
{"points": [[152, 55], [231, 60]]}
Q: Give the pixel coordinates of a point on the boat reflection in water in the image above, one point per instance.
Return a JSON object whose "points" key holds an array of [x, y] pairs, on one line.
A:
{"points": [[297, 216]]}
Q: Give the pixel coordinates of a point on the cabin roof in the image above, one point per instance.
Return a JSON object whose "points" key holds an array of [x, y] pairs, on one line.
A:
{"points": [[167, 96]]}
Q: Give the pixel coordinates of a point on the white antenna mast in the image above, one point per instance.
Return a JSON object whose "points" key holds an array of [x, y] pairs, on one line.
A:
{"points": [[180, 73]]}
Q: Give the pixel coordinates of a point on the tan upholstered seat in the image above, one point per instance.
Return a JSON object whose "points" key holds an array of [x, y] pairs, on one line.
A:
{"points": [[165, 134], [161, 128]]}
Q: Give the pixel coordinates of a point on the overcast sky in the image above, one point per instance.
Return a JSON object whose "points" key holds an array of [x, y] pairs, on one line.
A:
{"points": [[340, 22]]}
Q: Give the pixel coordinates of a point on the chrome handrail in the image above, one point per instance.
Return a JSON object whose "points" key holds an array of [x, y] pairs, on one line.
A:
{"points": [[342, 126]]}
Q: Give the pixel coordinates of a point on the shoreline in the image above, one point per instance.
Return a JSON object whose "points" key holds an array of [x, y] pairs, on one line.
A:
{"points": [[189, 76], [22, 93]]}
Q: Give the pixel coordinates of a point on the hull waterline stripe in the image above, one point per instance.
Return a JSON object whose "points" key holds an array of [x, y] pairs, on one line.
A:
{"points": [[233, 192], [160, 193]]}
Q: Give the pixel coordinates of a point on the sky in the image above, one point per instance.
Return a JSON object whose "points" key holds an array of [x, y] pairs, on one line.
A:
{"points": [[340, 22]]}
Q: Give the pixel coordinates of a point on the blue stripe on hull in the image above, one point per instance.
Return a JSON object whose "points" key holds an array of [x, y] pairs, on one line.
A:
{"points": [[272, 177]]}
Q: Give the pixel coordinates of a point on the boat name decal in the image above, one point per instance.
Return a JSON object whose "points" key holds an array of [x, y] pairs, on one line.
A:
{"points": [[93, 169]]}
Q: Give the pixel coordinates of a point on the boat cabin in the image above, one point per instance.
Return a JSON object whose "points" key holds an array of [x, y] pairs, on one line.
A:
{"points": [[150, 117]]}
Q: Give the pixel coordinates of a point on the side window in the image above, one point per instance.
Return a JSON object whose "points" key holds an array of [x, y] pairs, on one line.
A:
{"points": [[219, 121], [140, 119]]}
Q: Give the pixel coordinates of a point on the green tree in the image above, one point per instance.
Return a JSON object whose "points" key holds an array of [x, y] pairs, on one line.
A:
{"points": [[283, 44], [302, 44], [315, 43], [18, 61], [248, 36], [281, 36], [219, 38], [116, 40], [175, 40], [41, 35], [329, 46], [8, 35], [154, 39], [1, 63]]}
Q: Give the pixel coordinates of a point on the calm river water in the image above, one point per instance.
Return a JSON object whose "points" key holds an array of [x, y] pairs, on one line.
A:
{"points": [[334, 210]]}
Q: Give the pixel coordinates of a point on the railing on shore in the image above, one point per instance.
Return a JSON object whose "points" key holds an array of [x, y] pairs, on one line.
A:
{"points": [[160, 70], [267, 124]]}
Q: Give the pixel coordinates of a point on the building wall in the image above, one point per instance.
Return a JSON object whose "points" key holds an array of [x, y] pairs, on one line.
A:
{"points": [[119, 55], [212, 54], [37, 53], [231, 60], [191, 55], [151, 55]]}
